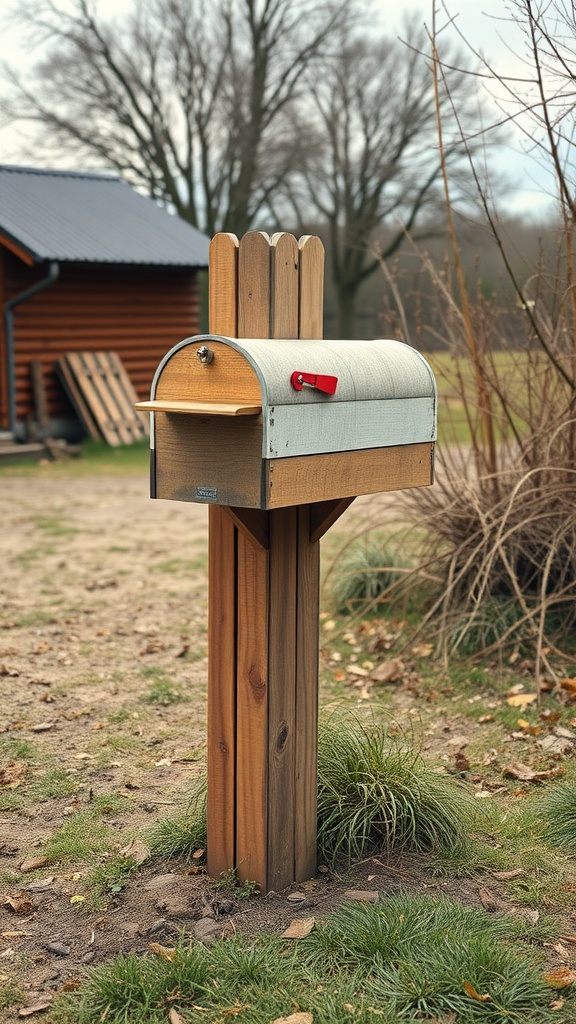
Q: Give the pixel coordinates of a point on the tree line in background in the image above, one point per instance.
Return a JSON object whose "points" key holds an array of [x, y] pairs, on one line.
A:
{"points": [[244, 114]]}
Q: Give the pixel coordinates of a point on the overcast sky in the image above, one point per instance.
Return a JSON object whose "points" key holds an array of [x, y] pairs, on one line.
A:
{"points": [[487, 24]]}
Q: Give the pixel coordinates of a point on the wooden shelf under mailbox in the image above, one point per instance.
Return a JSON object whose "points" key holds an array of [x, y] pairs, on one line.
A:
{"points": [[201, 408]]}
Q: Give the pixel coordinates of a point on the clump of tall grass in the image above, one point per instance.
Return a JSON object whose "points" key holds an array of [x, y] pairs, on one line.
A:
{"points": [[364, 575], [184, 834], [557, 815], [376, 793]]}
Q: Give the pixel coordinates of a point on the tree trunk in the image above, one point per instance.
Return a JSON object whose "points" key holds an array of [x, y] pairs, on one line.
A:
{"points": [[346, 307]]}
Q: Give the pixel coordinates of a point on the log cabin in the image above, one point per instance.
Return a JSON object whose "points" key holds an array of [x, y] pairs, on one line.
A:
{"points": [[87, 264]]}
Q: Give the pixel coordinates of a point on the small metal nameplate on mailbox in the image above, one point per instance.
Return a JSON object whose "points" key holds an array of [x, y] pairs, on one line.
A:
{"points": [[207, 493]]}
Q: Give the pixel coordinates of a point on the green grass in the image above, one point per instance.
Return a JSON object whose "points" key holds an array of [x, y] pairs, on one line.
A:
{"points": [[408, 958], [185, 834], [163, 692], [376, 793], [365, 572], [96, 458], [109, 879], [85, 834], [54, 783], [11, 994], [557, 814], [54, 524]]}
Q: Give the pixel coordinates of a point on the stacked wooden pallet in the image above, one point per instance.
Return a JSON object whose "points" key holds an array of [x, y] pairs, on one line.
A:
{"points": [[103, 396]]}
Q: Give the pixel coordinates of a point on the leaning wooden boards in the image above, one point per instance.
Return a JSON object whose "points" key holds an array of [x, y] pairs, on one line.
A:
{"points": [[103, 396]]}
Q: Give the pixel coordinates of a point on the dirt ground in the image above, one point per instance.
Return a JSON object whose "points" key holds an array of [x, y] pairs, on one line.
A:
{"points": [[103, 683]]}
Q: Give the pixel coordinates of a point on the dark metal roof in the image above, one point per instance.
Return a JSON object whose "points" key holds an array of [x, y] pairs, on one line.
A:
{"points": [[90, 218]]}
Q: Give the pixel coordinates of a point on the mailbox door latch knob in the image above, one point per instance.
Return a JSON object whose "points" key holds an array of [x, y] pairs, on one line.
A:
{"points": [[321, 381], [205, 355]]}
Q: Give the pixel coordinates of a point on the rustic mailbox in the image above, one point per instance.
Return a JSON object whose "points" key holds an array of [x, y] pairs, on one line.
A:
{"points": [[277, 433], [260, 423]]}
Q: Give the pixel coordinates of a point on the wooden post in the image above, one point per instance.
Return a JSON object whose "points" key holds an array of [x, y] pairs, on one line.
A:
{"points": [[264, 603]]}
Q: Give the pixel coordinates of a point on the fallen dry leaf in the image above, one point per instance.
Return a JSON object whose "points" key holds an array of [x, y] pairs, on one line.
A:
{"points": [[557, 1004], [5, 670], [32, 864], [423, 650], [562, 977], [505, 876], [13, 774], [531, 730], [461, 762], [137, 850], [388, 672], [20, 903], [43, 1004], [153, 647], [174, 1017], [295, 1018], [471, 991], [299, 928], [488, 901], [166, 953], [71, 985], [569, 685], [524, 773], [521, 700]]}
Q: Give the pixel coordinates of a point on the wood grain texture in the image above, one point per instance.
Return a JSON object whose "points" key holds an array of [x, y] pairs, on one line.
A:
{"points": [[223, 285], [253, 523], [228, 378], [216, 452], [254, 286], [200, 408], [222, 587], [323, 515], [252, 714], [284, 287], [310, 478], [282, 808], [89, 385], [311, 319], [221, 731], [306, 754]]}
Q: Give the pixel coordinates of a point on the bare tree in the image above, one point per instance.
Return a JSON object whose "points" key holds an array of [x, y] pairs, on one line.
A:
{"points": [[372, 166], [186, 98]]}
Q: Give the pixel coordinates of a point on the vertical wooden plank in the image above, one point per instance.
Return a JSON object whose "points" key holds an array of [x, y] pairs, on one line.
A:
{"points": [[222, 285], [221, 728], [222, 573], [306, 699], [282, 697], [252, 714], [252, 612], [311, 287], [254, 286], [284, 269], [311, 325]]}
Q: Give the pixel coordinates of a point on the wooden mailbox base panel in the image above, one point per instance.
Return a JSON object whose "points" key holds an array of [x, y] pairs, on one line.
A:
{"points": [[263, 697]]}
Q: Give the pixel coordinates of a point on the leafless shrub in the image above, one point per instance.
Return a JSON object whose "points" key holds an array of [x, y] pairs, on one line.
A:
{"points": [[501, 519]]}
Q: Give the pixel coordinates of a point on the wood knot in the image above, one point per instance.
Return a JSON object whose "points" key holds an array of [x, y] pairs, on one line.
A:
{"points": [[282, 737], [257, 684]]}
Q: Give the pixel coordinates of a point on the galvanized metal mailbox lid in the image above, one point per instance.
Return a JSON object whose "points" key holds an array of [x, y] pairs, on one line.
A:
{"points": [[262, 423]]}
